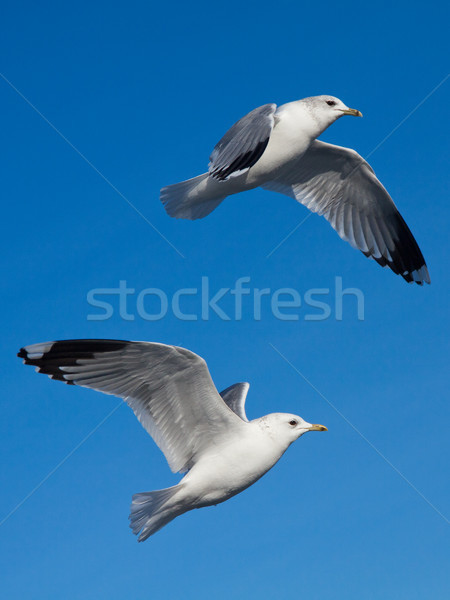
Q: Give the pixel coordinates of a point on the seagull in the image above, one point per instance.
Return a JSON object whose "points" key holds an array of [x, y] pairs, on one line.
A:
{"points": [[202, 433], [276, 148]]}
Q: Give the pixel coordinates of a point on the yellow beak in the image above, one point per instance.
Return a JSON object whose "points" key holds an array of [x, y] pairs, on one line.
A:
{"points": [[318, 428], [353, 112]]}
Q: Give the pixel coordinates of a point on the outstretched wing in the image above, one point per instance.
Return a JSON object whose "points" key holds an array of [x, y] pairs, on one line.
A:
{"points": [[340, 185], [169, 389], [235, 396], [243, 145]]}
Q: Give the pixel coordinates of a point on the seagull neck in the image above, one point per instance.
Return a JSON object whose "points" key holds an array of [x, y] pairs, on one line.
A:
{"points": [[300, 117], [269, 433]]}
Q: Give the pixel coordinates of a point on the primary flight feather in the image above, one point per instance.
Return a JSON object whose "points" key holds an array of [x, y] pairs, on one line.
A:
{"points": [[200, 431], [276, 148]]}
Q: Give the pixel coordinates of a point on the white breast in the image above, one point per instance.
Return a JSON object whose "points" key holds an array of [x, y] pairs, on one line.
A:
{"points": [[292, 134], [232, 467]]}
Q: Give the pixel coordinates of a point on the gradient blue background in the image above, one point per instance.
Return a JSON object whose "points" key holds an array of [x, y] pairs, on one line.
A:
{"points": [[145, 91]]}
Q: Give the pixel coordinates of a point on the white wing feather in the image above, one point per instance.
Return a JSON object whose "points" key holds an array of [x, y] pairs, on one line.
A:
{"points": [[340, 185], [169, 389]]}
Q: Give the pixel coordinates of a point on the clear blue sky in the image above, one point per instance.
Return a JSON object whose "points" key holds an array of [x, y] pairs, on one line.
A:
{"points": [[144, 91]]}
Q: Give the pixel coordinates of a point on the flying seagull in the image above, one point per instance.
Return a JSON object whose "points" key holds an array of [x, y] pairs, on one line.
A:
{"points": [[201, 432], [276, 148]]}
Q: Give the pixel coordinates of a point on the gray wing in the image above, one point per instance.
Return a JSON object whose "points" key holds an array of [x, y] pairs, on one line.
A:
{"points": [[235, 396], [169, 389], [243, 145], [340, 185]]}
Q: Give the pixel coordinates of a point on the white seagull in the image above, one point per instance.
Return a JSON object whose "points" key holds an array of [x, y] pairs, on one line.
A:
{"points": [[199, 430], [276, 148]]}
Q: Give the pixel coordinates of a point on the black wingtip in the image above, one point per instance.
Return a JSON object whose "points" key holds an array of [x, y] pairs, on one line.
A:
{"points": [[49, 357], [419, 276], [405, 260]]}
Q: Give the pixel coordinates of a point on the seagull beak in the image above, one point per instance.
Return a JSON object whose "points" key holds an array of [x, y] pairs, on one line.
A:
{"points": [[317, 428], [352, 111]]}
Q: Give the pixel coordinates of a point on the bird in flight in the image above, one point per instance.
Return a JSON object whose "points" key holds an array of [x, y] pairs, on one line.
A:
{"points": [[276, 148], [202, 433]]}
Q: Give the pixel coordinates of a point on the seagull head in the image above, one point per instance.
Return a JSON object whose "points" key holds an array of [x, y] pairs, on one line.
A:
{"points": [[289, 428], [327, 109]]}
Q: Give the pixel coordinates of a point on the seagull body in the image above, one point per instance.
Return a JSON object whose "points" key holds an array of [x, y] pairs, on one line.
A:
{"points": [[200, 431], [276, 148]]}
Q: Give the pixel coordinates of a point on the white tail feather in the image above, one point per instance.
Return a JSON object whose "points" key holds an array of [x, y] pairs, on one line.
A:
{"points": [[183, 200], [149, 511]]}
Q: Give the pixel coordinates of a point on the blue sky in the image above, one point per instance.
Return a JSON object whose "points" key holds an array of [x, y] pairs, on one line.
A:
{"points": [[144, 91]]}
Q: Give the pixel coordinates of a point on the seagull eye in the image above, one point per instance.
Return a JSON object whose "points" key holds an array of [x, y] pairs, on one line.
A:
{"points": [[331, 103], [293, 423]]}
